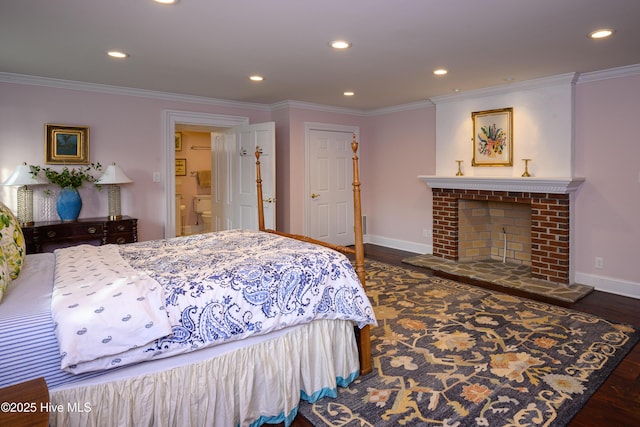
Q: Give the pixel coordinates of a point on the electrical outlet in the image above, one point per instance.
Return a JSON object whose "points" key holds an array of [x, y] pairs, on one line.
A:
{"points": [[599, 263], [427, 233], [156, 177]]}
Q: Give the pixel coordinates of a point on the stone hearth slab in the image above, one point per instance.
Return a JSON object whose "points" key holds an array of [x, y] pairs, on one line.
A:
{"points": [[508, 275]]}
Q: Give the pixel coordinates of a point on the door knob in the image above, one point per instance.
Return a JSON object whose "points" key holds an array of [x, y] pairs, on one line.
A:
{"points": [[314, 195], [269, 200]]}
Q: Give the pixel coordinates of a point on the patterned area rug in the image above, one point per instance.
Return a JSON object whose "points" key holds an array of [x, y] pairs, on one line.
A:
{"points": [[449, 354]]}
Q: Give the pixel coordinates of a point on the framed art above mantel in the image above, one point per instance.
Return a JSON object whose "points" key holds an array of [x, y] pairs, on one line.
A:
{"points": [[493, 137]]}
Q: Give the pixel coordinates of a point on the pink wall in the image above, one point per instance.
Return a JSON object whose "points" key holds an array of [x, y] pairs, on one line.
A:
{"points": [[394, 149], [608, 156], [123, 129], [401, 147], [283, 194]]}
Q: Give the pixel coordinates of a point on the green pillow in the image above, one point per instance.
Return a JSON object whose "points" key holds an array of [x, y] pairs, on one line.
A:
{"points": [[11, 241], [4, 275]]}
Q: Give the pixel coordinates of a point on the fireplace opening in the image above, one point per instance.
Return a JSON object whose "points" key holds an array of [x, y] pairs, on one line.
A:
{"points": [[494, 230], [549, 230]]}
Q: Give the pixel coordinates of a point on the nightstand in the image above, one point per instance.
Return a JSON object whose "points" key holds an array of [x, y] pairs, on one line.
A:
{"points": [[25, 404], [46, 236]]}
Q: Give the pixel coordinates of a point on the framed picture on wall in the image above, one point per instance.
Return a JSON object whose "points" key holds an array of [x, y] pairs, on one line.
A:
{"points": [[493, 137], [178, 141], [181, 167], [66, 144]]}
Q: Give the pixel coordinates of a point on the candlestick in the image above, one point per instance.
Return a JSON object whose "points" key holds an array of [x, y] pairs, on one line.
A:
{"points": [[459, 173], [526, 168]]}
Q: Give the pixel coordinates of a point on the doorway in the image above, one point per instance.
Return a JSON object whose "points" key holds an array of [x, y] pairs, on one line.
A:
{"points": [[193, 188], [238, 134]]}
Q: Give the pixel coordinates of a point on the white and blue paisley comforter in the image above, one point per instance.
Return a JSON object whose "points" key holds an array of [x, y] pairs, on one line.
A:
{"points": [[215, 287]]}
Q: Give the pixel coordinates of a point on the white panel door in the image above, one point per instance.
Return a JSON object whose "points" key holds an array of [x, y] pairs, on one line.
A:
{"points": [[248, 138], [330, 198], [223, 153]]}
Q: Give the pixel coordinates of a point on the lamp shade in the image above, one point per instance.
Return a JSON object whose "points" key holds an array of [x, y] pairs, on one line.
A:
{"points": [[22, 176], [113, 175]]}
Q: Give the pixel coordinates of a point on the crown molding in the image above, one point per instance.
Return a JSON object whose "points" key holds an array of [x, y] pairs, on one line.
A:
{"points": [[119, 90], [314, 107], [568, 78], [341, 110], [612, 73], [399, 108], [560, 79]]}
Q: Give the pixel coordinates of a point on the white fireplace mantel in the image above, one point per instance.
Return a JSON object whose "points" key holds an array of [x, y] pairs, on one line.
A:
{"points": [[530, 184]]}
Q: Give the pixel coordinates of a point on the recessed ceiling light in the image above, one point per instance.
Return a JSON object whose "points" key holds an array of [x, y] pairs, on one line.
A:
{"points": [[601, 33], [440, 72], [166, 1], [256, 78], [349, 93], [117, 54], [340, 44]]}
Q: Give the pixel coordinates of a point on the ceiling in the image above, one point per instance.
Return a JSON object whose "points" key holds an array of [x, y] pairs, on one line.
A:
{"points": [[209, 48]]}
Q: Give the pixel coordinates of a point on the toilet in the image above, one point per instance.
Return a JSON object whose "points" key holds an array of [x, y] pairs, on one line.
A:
{"points": [[202, 208]]}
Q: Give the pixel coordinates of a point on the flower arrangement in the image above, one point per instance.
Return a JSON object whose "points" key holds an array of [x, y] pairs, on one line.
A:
{"points": [[69, 178], [492, 140]]}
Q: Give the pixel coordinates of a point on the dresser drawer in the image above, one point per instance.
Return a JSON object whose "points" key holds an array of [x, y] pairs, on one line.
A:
{"points": [[70, 230], [120, 239], [47, 236], [125, 226]]}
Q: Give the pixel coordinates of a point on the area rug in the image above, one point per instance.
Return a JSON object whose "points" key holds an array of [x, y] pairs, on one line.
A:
{"points": [[452, 355]]}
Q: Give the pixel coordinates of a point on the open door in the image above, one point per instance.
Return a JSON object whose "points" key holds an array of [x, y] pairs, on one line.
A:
{"points": [[233, 186], [223, 153]]}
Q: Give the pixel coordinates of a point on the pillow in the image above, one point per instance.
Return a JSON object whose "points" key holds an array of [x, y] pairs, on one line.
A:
{"points": [[4, 275], [11, 241]]}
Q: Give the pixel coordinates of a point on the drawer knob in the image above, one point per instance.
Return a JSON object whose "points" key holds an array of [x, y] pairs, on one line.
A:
{"points": [[92, 230], [51, 233], [121, 240], [120, 227]]}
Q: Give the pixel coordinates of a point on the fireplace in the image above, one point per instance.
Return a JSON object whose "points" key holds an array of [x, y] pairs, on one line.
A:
{"points": [[549, 202]]}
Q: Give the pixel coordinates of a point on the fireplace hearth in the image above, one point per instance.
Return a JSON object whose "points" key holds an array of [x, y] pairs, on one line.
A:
{"points": [[549, 200]]}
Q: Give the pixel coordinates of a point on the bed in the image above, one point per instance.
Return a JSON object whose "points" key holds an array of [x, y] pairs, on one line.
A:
{"points": [[229, 328]]}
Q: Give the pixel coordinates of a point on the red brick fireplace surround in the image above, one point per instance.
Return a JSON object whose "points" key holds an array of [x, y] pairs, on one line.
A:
{"points": [[551, 211]]}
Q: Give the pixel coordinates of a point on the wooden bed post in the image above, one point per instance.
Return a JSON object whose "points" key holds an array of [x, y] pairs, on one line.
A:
{"points": [[364, 333], [259, 186]]}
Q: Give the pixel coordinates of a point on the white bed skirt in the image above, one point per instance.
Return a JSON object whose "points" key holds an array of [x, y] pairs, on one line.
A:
{"points": [[262, 383]]}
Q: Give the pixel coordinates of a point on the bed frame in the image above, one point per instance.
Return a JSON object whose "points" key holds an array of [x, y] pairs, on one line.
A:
{"points": [[362, 335]]}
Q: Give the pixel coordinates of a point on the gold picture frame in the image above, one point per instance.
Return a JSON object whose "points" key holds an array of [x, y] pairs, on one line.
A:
{"points": [[66, 144], [493, 137], [181, 167], [178, 141]]}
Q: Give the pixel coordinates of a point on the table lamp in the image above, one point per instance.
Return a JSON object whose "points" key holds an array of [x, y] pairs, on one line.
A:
{"points": [[112, 177], [22, 177]]}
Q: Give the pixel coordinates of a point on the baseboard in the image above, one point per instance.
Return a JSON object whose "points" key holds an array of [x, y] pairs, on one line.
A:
{"points": [[403, 245], [604, 284], [607, 284]]}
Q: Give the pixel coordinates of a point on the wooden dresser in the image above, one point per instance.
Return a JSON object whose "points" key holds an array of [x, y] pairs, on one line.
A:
{"points": [[47, 236]]}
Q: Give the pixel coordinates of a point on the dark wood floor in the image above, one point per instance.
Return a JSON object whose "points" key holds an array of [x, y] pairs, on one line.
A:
{"points": [[617, 401]]}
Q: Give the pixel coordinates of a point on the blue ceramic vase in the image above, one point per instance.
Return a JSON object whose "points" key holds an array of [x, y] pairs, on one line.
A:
{"points": [[69, 204]]}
